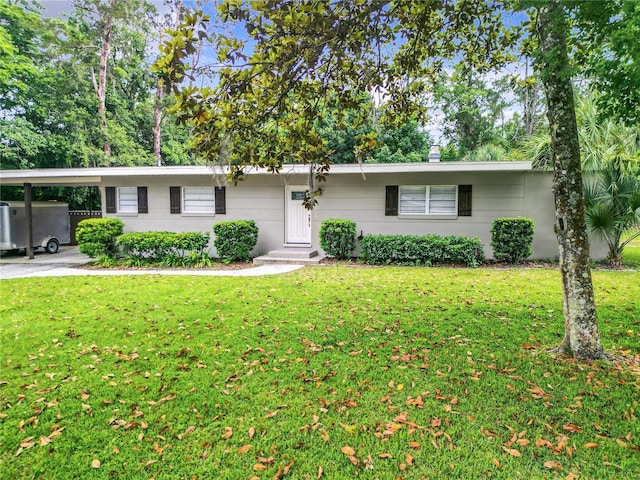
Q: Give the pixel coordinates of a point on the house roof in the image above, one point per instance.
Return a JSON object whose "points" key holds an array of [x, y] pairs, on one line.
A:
{"points": [[94, 176]]}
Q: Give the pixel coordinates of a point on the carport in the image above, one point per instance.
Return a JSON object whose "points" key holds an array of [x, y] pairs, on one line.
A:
{"points": [[52, 177]]}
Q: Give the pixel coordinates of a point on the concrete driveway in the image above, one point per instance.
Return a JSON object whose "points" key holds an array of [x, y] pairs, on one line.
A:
{"points": [[68, 260], [14, 265]]}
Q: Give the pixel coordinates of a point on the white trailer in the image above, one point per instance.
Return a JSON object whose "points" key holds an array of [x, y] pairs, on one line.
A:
{"points": [[50, 222]]}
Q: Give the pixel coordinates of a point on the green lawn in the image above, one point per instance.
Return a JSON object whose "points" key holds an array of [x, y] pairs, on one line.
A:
{"points": [[328, 372], [631, 254]]}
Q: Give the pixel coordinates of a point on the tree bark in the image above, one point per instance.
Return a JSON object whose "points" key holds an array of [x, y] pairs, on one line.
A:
{"points": [[581, 337], [176, 7], [157, 122], [101, 90]]}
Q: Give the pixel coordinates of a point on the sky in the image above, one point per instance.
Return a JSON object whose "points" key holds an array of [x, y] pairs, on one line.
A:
{"points": [[57, 8]]}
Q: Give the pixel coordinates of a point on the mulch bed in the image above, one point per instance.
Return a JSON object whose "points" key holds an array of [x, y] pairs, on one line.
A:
{"points": [[355, 263]]}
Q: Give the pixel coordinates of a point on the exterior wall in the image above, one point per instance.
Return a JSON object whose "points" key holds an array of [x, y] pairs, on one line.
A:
{"points": [[494, 195], [258, 198], [350, 196]]}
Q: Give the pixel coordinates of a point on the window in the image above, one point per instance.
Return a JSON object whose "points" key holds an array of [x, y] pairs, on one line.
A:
{"points": [[428, 200], [126, 200], [197, 200]]}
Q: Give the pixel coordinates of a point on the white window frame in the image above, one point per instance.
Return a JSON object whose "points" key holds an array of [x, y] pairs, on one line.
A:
{"points": [[428, 207], [205, 209], [128, 195]]}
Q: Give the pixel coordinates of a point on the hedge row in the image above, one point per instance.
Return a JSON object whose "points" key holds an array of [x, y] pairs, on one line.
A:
{"points": [[421, 250], [170, 248], [102, 238], [234, 240]]}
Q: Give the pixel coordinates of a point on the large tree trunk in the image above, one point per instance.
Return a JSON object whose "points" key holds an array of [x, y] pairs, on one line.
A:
{"points": [[102, 83], [176, 8], [581, 338], [157, 122]]}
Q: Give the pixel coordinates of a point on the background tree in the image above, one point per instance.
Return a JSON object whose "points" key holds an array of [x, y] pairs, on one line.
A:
{"points": [[610, 56], [472, 109], [48, 101], [117, 30], [344, 132], [610, 156]]}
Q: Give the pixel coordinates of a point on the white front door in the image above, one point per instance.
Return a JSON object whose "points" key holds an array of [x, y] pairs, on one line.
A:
{"points": [[298, 218]]}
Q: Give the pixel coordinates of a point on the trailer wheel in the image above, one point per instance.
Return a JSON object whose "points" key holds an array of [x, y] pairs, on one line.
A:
{"points": [[52, 246]]}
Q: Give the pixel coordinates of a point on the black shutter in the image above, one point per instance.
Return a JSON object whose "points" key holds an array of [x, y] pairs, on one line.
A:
{"points": [[110, 199], [221, 200], [174, 199], [464, 200], [391, 201], [143, 204]]}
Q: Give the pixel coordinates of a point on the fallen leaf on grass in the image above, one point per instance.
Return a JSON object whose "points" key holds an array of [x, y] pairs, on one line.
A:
{"points": [[591, 445], [569, 427], [252, 432], [272, 414], [385, 455], [95, 463], [187, 432], [244, 449], [552, 464], [320, 471], [512, 451], [347, 450], [414, 445], [283, 472], [258, 467], [228, 431]]}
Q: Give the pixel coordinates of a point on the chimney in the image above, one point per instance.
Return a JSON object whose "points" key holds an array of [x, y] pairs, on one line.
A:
{"points": [[434, 153]]}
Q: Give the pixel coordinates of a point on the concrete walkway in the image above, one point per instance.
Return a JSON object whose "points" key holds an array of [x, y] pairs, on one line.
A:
{"points": [[69, 260]]}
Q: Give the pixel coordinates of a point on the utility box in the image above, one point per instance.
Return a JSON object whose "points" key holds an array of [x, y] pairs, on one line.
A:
{"points": [[50, 223]]}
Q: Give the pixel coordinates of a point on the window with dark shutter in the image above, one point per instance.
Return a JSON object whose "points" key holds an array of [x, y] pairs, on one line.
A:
{"points": [[391, 201], [143, 204], [110, 199], [464, 200], [221, 200], [174, 199]]}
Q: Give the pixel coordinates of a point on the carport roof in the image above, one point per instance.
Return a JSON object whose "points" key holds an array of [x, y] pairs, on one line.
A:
{"points": [[95, 176]]}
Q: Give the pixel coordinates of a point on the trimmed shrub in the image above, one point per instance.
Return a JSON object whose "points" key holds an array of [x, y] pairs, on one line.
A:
{"points": [[167, 248], [421, 250], [96, 237], [235, 239], [145, 245], [511, 238], [338, 237]]}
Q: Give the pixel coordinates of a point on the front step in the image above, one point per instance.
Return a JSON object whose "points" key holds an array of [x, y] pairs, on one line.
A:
{"points": [[295, 256]]}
